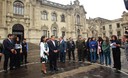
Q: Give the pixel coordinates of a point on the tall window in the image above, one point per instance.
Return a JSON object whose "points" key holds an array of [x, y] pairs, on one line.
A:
{"points": [[110, 26], [78, 19], [62, 18], [118, 33], [63, 33], [54, 31], [45, 33], [110, 33], [104, 34], [103, 27], [118, 25], [44, 15], [54, 17], [18, 8]]}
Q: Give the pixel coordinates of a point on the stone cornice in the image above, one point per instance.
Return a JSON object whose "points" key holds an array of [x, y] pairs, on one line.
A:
{"points": [[53, 4], [1, 27]]}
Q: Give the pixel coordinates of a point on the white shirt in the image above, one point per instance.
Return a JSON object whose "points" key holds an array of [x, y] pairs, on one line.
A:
{"points": [[53, 43], [43, 49]]}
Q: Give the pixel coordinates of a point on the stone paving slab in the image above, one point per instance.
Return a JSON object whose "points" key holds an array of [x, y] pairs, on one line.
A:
{"points": [[69, 71]]}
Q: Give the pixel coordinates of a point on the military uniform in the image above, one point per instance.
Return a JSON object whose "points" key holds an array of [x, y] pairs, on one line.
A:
{"points": [[80, 49]]}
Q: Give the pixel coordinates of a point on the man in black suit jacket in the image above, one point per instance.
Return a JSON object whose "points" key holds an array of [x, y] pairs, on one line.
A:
{"points": [[9, 52], [71, 49], [53, 53]]}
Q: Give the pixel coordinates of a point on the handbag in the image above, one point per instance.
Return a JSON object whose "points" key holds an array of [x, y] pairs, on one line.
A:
{"points": [[42, 59]]}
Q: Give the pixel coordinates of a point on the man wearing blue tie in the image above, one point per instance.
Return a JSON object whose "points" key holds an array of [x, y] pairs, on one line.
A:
{"points": [[62, 49]]}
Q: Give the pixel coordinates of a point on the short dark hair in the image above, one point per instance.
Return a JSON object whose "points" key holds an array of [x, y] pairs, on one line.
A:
{"points": [[100, 39], [10, 35], [79, 36], [52, 36], [24, 39], [42, 39], [62, 37], [92, 38], [114, 37], [126, 36]]}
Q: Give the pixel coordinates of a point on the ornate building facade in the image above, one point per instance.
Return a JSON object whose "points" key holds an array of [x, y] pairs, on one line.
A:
{"points": [[33, 18], [0, 15], [104, 27]]}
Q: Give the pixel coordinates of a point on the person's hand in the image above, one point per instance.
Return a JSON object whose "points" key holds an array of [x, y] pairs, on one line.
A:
{"points": [[21, 52], [115, 44], [12, 50], [92, 50], [55, 51], [65, 51], [15, 52], [47, 53], [1, 54], [76, 49]]}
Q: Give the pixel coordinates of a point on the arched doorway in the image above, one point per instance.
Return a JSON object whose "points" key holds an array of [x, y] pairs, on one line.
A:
{"points": [[18, 30]]}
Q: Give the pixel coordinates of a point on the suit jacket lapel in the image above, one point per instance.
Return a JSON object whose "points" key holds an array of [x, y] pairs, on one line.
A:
{"points": [[52, 43]]}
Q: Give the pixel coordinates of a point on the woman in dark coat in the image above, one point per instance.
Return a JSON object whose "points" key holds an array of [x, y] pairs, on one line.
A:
{"points": [[17, 48], [115, 44], [88, 49]]}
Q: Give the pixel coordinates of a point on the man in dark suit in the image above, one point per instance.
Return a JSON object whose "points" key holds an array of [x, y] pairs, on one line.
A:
{"points": [[62, 49], [71, 48], [9, 52], [53, 51]]}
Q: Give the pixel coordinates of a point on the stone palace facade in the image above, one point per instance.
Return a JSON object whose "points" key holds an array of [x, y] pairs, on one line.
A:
{"points": [[33, 18]]}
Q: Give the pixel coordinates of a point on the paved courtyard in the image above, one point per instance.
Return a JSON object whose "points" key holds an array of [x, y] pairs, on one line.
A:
{"points": [[67, 70]]}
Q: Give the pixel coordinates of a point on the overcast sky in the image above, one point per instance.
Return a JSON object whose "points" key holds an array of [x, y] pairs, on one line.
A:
{"points": [[109, 9]]}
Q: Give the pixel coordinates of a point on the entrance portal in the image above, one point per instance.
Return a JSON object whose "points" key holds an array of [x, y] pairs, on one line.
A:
{"points": [[18, 30]]}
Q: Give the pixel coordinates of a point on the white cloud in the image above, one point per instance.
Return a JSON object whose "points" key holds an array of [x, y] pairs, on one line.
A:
{"points": [[109, 9]]}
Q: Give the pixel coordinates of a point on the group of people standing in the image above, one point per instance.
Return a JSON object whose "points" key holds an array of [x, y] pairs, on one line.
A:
{"points": [[91, 50], [14, 50]]}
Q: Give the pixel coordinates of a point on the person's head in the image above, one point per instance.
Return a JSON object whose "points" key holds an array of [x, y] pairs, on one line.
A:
{"points": [[52, 37], [126, 38], [24, 40], [10, 36], [70, 38], [84, 39], [17, 39], [106, 39], [89, 39], [93, 38], [100, 39], [79, 37], [114, 37], [43, 39], [61, 38]]}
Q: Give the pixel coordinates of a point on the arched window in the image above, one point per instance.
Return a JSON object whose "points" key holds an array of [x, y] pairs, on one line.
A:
{"points": [[44, 15], [18, 8], [45, 33], [62, 18], [54, 31], [78, 19], [54, 17]]}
